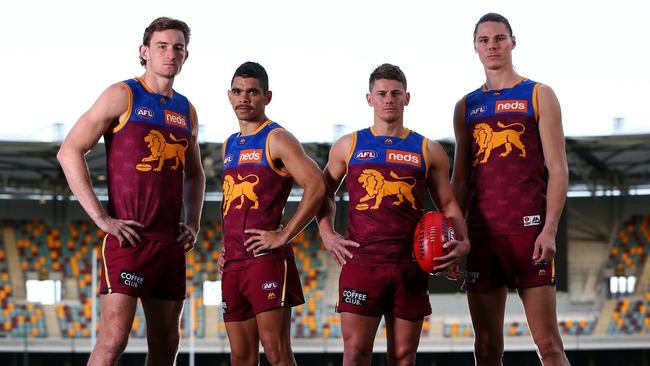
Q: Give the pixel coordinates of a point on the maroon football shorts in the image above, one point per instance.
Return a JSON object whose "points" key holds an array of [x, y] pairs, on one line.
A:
{"points": [[260, 287], [375, 290], [505, 260], [150, 269]]}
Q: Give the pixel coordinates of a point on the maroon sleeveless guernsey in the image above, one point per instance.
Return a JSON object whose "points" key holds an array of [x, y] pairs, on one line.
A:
{"points": [[255, 192], [507, 191], [145, 159], [386, 181]]}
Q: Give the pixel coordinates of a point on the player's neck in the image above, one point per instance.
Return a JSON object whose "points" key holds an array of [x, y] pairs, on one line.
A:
{"points": [[250, 127], [394, 129], [501, 78], [157, 84]]}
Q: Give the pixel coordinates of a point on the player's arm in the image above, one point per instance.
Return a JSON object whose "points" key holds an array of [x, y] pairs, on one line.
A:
{"points": [[443, 196], [285, 147], [334, 173], [111, 106], [193, 188], [221, 260], [462, 157], [552, 136]]}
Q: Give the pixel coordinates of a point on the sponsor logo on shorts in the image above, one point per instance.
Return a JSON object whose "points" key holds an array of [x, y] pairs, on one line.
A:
{"points": [[365, 155], [175, 119], [471, 277], [503, 106], [224, 307], [478, 110], [144, 112], [131, 279], [227, 159], [271, 296], [532, 220], [403, 157], [250, 156], [269, 285], [354, 297]]}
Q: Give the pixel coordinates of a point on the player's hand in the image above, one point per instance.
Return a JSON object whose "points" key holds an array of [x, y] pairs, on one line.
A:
{"points": [[262, 240], [187, 236], [124, 230], [459, 249], [336, 246], [222, 258], [454, 273], [544, 248]]}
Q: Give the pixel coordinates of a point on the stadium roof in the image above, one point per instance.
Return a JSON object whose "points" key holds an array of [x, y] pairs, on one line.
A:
{"points": [[596, 164]]}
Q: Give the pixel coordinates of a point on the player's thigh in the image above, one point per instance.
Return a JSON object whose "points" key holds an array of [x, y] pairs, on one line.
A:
{"points": [[487, 311], [403, 335], [243, 337], [274, 327], [116, 315], [540, 307], [163, 316], [359, 330]]}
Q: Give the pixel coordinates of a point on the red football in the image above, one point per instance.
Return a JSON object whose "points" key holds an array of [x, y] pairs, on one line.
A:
{"points": [[432, 231]]}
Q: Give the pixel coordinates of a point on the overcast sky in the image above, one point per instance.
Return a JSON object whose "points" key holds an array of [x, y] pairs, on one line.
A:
{"points": [[60, 55]]}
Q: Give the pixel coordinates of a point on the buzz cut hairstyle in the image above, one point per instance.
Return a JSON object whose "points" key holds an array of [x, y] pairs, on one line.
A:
{"points": [[387, 72], [493, 17], [162, 24], [254, 70]]}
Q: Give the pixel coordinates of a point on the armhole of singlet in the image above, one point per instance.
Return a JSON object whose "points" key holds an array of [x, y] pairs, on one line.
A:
{"points": [[425, 157], [192, 116], [223, 149], [267, 152], [535, 103], [353, 145], [463, 107], [122, 121]]}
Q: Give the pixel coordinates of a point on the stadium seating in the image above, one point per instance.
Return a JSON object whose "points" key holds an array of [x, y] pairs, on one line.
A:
{"points": [[631, 316], [17, 320], [631, 245]]}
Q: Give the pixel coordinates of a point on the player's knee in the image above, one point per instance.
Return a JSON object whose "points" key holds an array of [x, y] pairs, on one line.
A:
{"points": [[278, 354], [112, 346], [357, 355], [487, 350], [548, 348], [404, 357], [166, 342], [244, 358]]}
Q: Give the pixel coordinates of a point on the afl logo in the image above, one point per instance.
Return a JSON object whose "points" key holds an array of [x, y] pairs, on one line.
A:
{"points": [[269, 285], [144, 112], [366, 155], [478, 110], [227, 160]]}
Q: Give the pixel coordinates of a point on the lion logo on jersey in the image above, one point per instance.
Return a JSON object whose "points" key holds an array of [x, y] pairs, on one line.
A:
{"points": [[487, 140], [233, 191], [378, 187], [162, 150]]}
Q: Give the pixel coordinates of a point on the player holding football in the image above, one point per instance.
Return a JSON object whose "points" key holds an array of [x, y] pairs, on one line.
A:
{"points": [[506, 132], [389, 168]]}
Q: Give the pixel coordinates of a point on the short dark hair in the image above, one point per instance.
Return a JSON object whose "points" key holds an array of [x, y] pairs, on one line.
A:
{"points": [[161, 24], [252, 69], [493, 17], [388, 72]]}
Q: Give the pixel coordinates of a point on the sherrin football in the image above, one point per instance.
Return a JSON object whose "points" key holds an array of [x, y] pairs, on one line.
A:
{"points": [[432, 231]]}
